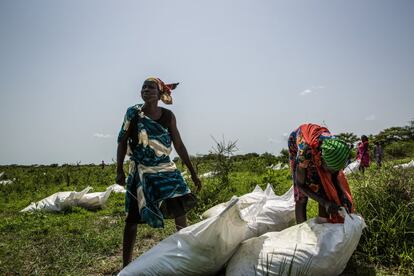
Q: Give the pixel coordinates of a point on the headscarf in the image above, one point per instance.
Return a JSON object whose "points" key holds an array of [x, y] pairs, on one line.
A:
{"points": [[335, 153], [165, 89]]}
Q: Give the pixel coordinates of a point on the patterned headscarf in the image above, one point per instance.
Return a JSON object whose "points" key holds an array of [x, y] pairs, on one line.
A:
{"points": [[165, 89], [335, 153]]}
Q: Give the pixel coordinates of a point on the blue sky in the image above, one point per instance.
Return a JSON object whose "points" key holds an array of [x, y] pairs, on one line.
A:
{"points": [[249, 70]]}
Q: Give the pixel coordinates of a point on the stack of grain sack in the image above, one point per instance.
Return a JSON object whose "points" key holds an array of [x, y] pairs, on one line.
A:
{"points": [[244, 232], [62, 201]]}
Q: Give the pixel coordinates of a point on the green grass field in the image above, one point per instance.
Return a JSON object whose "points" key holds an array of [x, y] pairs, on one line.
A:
{"points": [[81, 242]]}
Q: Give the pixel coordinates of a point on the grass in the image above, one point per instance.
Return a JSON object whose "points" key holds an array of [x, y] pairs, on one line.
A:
{"points": [[80, 242]]}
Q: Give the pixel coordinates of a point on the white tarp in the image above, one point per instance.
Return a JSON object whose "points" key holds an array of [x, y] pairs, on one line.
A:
{"points": [[405, 165], [353, 167], [199, 249], [57, 202], [318, 249]]}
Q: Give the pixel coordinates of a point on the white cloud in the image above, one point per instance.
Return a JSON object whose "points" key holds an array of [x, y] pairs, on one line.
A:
{"points": [[370, 118], [313, 89], [101, 135], [305, 92]]}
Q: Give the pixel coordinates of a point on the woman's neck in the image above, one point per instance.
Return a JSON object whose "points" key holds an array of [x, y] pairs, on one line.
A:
{"points": [[152, 110], [150, 107]]}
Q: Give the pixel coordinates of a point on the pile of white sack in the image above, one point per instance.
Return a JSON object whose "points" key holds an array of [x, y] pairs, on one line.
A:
{"points": [[61, 201], [5, 182], [309, 248], [204, 248], [278, 167], [208, 174], [276, 212], [405, 165], [352, 167], [243, 232]]}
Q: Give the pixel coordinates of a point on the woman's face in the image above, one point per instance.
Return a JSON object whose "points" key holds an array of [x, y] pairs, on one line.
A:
{"points": [[150, 92]]}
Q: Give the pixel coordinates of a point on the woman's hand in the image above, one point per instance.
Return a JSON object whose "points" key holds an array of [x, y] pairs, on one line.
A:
{"points": [[331, 208], [120, 178], [347, 204], [197, 182]]}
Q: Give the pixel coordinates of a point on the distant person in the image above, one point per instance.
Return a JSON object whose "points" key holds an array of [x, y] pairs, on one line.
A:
{"points": [[103, 164], [316, 162], [363, 153], [378, 153], [149, 131]]}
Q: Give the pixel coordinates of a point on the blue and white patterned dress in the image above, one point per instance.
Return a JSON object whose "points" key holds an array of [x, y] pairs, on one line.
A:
{"points": [[152, 173]]}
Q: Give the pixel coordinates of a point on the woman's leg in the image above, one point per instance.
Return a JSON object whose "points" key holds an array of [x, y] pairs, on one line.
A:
{"points": [[180, 222], [300, 209], [130, 234]]}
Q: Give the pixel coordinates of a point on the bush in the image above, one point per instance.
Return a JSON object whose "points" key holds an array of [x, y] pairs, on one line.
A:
{"points": [[385, 200], [399, 149]]}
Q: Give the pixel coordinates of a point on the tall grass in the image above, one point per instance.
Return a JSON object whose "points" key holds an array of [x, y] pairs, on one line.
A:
{"points": [[385, 198]]}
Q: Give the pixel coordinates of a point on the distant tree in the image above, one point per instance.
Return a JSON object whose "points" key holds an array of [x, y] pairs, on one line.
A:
{"points": [[394, 134], [410, 129], [348, 137], [284, 156], [223, 150], [196, 161], [244, 157], [268, 158]]}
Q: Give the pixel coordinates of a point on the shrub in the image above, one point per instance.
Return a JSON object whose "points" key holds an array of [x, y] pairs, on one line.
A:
{"points": [[399, 149]]}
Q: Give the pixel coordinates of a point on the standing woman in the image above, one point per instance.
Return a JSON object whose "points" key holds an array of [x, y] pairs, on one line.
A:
{"points": [[155, 188], [363, 153]]}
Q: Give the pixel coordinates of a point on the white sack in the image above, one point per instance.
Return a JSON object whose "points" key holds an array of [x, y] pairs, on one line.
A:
{"points": [[94, 201], [279, 166], [208, 174], [6, 182], [353, 167], [324, 248], [57, 202], [277, 213], [244, 201], [406, 165], [199, 249], [116, 188]]}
